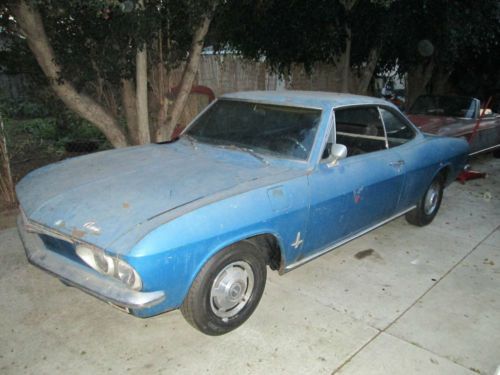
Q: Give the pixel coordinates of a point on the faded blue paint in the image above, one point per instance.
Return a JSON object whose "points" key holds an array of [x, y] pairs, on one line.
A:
{"points": [[278, 197], [166, 209], [119, 189]]}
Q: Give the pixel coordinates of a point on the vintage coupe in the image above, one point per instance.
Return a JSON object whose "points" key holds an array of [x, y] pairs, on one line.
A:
{"points": [[258, 179], [458, 116]]}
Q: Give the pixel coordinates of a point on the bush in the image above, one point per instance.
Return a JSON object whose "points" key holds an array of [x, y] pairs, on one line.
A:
{"points": [[22, 108], [41, 130]]}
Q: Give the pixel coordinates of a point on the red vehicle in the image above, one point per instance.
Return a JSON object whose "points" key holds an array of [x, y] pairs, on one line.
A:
{"points": [[458, 116]]}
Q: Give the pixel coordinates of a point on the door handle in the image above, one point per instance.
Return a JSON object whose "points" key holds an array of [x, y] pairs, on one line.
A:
{"points": [[398, 163]]}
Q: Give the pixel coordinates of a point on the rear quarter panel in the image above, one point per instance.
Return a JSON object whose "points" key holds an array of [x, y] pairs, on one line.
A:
{"points": [[427, 157]]}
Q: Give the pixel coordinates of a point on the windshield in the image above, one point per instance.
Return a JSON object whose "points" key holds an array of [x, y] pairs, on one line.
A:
{"points": [[453, 106], [286, 132]]}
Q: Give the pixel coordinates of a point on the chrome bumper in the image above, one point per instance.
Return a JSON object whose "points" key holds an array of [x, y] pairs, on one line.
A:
{"points": [[84, 278]]}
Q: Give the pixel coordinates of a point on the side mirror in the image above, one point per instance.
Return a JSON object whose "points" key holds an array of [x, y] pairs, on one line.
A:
{"points": [[338, 152]]}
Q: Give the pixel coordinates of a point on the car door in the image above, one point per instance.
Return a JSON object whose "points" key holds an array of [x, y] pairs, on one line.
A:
{"points": [[361, 190], [401, 140]]}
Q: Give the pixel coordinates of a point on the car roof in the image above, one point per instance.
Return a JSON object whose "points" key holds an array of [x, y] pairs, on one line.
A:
{"points": [[319, 99]]}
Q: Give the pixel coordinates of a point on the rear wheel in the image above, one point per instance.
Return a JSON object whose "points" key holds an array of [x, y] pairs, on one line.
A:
{"points": [[227, 290], [429, 204]]}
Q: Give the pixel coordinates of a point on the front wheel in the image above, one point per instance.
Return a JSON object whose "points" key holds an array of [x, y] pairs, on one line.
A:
{"points": [[227, 290], [428, 205]]}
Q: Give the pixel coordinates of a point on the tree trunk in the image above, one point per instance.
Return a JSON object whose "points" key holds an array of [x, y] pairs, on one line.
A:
{"points": [[440, 81], [418, 78], [130, 109], [141, 81], [346, 66], [7, 192], [141, 78], [362, 76], [160, 84], [31, 23], [188, 76], [345, 61]]}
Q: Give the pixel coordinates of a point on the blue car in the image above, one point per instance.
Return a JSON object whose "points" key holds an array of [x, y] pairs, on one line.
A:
{"points": [[258, 179]]}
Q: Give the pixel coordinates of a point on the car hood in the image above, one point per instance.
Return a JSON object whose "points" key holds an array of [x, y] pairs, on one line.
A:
{"points": [[101, 196]]}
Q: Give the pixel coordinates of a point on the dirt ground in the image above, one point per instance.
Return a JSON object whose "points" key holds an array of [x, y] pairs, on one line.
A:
{"points": [[7, 216]]}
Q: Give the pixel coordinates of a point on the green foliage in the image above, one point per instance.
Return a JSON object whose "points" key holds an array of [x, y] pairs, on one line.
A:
{"points": [[98, 39], [37, 129], [95, 44], [35, 142], [22, 108], [282, 31], [285, 32], [457, 29], [49, 135]]}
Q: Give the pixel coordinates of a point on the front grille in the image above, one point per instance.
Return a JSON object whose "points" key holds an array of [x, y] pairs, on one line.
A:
{"points": [[53, 240], [61, 247]]}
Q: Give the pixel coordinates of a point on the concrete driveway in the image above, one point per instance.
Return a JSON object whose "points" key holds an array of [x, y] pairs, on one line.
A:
{"points": [[400, 300]]}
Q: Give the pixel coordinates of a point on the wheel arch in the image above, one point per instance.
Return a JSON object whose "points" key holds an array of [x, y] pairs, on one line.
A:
{"points": [[446, 170], [271, 244], [267, 241]]}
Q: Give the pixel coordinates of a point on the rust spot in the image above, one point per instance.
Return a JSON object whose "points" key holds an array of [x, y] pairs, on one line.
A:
{"points": [[364, 253], [125, 205], [77, 233]]}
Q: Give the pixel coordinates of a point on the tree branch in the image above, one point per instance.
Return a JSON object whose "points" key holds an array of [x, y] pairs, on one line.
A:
{"points": [[6, 184], [188, 76], [130, 109], [141, 81], [31, 23], [366, 71], [417, 79]]}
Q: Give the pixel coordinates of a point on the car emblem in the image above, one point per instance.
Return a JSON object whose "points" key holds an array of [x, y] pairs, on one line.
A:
{"points": [[297, 242]]}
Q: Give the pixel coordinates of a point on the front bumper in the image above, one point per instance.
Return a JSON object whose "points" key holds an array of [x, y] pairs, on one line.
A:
{"points": [[82, 277]]}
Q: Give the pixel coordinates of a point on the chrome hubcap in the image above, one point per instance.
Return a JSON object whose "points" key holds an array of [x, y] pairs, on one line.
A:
{"points": [[431, 198], [231, 289]]}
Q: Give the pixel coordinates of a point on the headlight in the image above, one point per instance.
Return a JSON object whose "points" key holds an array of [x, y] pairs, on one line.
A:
{"points": [[128, 275], [107, 265], [104, 263]]}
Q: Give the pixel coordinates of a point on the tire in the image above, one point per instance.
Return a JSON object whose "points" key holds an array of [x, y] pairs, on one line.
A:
{"points": [[429, 204], [227, 290]]}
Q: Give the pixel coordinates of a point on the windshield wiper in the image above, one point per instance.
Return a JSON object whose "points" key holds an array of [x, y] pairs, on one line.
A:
{"points": [[247, 150]]}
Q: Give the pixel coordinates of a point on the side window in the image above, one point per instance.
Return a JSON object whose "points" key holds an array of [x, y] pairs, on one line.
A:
{"points": [[398, 131], [360, 130]]}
